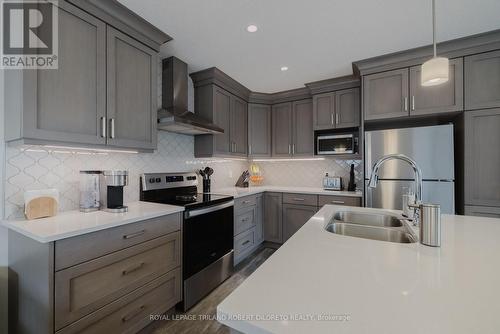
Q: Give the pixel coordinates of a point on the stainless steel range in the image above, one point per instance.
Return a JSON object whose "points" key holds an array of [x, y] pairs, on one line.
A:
{"points": [[207, 243]]}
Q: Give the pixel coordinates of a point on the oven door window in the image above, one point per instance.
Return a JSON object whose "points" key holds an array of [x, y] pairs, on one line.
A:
{"points": [[206, 238], [335, 145]]}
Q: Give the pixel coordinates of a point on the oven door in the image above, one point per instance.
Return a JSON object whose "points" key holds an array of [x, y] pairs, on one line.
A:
{"points": [[335, 144], [207, 236]]}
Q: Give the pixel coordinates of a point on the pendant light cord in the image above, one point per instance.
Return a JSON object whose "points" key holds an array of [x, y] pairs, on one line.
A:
{"points": [[434, 26]]}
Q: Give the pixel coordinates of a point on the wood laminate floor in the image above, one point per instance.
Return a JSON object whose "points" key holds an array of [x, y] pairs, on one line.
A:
{"points": [[207, 307]]}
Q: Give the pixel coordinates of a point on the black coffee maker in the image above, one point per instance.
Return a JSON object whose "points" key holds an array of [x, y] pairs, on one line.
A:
{"points": [[111, 184]]}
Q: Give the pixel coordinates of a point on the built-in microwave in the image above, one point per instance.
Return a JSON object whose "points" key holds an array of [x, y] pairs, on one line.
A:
{"points": [[346, 143]]}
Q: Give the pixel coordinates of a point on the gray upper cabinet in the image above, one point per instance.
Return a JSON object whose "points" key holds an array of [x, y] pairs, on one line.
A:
{"points": [[222, 118], [482, 158], [259, 130], [385, 95], [103, 92], [447, 97], [294, 217], [302, 125], [324, 111], [273, 217], [64, 104], [482, 81], [282, 129], [239, 126], [347, 109], [131, 92]]}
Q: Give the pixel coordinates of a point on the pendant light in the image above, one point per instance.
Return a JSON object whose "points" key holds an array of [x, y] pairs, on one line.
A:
{"points": [[435, 71]]}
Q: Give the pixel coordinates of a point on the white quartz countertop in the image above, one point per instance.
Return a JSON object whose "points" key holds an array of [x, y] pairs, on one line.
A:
{"points": [[73, 223], [374, 286], [241, 192]]}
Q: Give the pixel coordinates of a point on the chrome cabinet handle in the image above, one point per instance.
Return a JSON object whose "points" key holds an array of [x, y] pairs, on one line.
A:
{"points": [[246, 242], [289, 149], [112, 128], [413, 102], [406, 103], [337, 202], [250, 149], [299, 199], [103, 127], [293, 149], [134, 235], [245, 202], [331, 118], [336, 118], [132, 269], [132, 314]]}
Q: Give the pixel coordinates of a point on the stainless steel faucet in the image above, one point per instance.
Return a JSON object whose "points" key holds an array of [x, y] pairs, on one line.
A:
{"points": [[418, 175]]}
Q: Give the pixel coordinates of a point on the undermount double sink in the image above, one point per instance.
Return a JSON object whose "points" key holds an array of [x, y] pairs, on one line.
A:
{"points": [[375, 226]]}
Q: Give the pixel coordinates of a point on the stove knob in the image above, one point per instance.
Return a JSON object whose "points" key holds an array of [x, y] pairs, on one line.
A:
{"points": [[152, 180], [158, 179]]}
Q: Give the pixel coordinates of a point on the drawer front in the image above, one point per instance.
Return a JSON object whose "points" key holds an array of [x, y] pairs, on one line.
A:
{"points": [[244, 203], [303, 199], [244, 221], [132, 312], [339, 200], [243, 242], [72, 251], [86, 287]]}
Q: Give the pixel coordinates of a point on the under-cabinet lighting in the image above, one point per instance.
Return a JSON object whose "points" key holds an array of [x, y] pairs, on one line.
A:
{"points": [[86, 149], [288, 160]]}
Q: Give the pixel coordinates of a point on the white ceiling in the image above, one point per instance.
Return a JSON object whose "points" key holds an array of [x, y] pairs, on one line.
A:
{"points": [[316, 39]]}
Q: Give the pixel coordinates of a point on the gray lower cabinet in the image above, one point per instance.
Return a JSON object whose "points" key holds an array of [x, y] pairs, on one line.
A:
{"points": [[482, 211], [482, 81], [259, 130], [482, 158], [273, 217], [103, 92], [239, 126], [282, 130], [385, 95], [324, 111], [248, 224], [131, 92], [227, 111], [444, 98], [294, 217], [106, 281], [302, 125]]}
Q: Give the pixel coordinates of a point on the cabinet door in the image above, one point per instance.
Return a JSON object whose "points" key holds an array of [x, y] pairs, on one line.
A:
{"points": [[282, 130], [347, 111], [239, 126], [323, 111], [294, 216], [273, 217], [385, 95], [67, 104], [303, 134], [447, 97], [259, 219], [482, 81], [482, 211], [259, 130], [482, 157], [222, 113], [131, 92]]}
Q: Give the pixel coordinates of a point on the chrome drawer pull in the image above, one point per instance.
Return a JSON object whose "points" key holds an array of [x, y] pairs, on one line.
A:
{"points": [[245, 219], [245, 202], [132, 269], [133, 313], [299, 199], [134, 235], [246, 242], [338, 202]]}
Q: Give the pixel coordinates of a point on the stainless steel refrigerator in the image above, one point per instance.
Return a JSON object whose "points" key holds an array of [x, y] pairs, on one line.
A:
{"points": [[431, 147]]}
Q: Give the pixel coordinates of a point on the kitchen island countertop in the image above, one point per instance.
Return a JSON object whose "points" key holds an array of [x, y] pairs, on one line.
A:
{"points": [[320, 282]]}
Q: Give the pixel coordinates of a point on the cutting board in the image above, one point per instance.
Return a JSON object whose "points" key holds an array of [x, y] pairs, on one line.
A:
{"points": [[41, 203]]}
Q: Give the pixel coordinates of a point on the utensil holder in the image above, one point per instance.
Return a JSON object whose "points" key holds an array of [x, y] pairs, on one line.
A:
{"points": [[206, 185]]}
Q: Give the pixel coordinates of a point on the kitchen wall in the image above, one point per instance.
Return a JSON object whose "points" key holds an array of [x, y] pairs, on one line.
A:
{"points": [[308, 173]]}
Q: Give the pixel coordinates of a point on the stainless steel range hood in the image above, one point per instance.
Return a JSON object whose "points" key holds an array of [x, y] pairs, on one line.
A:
{"points": [[174, 115]]}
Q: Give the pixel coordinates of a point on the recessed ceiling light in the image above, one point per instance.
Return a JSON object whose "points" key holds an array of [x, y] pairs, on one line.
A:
{"points": [[252, 28], [284, 68]]}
